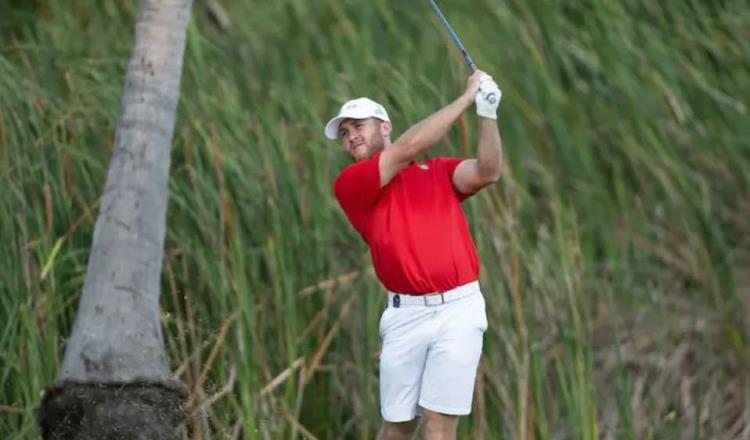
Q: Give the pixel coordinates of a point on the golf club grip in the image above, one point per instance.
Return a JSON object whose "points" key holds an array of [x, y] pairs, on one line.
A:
{"points": [[454, 36]]}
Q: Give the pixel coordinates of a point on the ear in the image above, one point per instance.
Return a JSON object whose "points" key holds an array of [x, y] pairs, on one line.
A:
{"points": [[385, 128]]}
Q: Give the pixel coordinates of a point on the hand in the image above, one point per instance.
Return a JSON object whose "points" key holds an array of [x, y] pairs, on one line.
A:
{"points": [[472, 86], [488, 98]]}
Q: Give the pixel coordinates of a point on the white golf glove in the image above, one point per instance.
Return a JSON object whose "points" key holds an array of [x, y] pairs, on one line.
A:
{"points": [[488, 98]]}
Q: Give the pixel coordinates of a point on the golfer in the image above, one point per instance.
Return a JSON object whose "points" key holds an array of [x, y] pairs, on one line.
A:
{"points": [[409, 213]]}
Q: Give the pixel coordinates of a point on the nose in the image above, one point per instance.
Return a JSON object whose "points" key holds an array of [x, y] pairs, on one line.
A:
{"points": [[354, 138]]}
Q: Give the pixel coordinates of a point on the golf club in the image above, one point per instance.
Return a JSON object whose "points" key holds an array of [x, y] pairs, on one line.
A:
{"points": [[453, 35], [473, 67]]}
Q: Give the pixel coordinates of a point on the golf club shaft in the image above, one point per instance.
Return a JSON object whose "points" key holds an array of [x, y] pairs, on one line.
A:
{"points": [[461, 47]]}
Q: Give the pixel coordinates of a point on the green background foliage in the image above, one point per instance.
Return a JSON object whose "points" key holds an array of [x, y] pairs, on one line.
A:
{"points": [[614, 249]]}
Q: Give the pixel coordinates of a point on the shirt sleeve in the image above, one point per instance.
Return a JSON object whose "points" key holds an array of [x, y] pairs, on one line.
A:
{"points": [[450, 164], [357, 188]]}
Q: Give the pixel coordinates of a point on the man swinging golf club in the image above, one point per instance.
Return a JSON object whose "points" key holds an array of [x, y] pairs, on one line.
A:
{"points": [[409, 213]]}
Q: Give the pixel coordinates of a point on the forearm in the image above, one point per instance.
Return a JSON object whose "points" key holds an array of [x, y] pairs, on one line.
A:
{"points": [[490, 151], [424, 135]]}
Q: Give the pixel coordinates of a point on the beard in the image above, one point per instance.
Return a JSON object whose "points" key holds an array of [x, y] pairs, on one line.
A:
{"points": [[368, 148]]}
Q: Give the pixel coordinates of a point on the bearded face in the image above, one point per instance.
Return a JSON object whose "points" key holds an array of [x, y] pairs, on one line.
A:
{"points": [[363, 138]]}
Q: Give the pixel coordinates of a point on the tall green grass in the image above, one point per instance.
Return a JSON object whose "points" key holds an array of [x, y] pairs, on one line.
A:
{"points": [[614, 250]]}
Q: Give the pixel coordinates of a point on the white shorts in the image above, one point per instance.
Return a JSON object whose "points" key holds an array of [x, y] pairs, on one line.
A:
{"points": [[430, 354]]}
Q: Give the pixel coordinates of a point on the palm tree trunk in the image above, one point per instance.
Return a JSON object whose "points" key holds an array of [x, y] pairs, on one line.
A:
{"points": [[115, 382]]}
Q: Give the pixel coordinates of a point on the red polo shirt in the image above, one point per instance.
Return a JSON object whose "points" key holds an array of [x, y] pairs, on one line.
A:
{"points": [[415, 226]]}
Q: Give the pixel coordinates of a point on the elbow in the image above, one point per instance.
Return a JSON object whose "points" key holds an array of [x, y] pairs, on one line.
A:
{"points": [[498, 171], [494, 177], [491, 174]]}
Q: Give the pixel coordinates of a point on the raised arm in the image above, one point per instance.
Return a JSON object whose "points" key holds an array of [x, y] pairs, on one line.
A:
{"points": [[473, 174], [424, 135]]}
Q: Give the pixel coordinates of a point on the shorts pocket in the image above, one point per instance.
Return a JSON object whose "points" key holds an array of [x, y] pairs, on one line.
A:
{"points": [[481, 312], [383, 323]]}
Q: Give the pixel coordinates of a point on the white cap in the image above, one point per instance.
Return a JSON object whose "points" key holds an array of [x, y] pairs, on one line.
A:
{"points": [[360, 108]]}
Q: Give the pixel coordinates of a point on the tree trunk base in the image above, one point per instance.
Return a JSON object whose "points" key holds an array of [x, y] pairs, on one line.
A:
{"points": [[132, 411]]}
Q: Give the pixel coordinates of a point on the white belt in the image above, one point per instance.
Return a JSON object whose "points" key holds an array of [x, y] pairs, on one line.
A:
{"points": [[432, 299]]}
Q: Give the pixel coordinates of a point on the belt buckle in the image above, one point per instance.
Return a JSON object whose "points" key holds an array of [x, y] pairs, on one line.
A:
{"points": [[429, 303]]}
